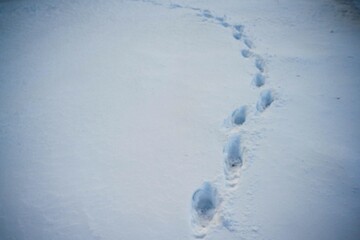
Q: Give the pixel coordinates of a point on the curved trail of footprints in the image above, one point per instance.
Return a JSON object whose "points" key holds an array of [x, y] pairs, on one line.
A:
{"points": [[208, 201]]}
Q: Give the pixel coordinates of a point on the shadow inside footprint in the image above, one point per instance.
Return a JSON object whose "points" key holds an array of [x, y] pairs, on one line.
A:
{"points": [[239, 28], [249, 43], [233, 153], [246, 53], [265, 100], [238, 117], [237, 35], [260, 64], [238, 31], [225, 24], [174, 6], [259, 80], [204, 203], [207, 14], [222, 21]]}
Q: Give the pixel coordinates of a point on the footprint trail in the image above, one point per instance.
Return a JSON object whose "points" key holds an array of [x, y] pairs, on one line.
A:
{"points": [[210, 204]]}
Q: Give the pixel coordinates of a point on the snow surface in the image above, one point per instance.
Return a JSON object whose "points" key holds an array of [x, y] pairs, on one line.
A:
{"points": [[115, 114]]}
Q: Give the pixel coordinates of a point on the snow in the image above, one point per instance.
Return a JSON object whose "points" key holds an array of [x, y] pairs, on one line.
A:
{"points": [[114, 116]]}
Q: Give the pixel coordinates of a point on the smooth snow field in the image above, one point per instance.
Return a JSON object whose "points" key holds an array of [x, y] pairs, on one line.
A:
{"points": [[196, 119]]}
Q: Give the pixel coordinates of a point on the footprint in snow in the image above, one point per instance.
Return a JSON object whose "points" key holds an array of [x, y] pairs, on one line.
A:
{"points": [[259, 80], [207, 14], [225, 24], [249, 43], [265, 100], [260, 64], [239, 28], [238, 117], [246, 53], [174, 6], [205, 203], [237, 35], [238, 31], [222, 21], [233, 156]]}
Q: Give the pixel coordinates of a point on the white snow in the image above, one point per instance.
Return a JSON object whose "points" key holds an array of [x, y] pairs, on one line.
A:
{"points": [[114, 113]]}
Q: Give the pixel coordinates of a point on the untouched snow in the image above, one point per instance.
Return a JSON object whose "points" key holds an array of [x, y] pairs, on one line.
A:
{"points": [[161, 120]]}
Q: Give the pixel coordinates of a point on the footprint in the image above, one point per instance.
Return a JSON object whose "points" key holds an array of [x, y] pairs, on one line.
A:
{"points": [[249, 43], [238, 31], [259, 80], [233, 155], [239, 28], [238, 117], [222, 21], [246, 53], [205, 202], [237, 35], [225, 24], [207, 14], [260, 64], [194, 8], [266, 98], [174, 5]]}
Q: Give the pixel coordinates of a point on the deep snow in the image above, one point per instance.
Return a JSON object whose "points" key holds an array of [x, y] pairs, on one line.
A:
{"points": [[113, 114]]}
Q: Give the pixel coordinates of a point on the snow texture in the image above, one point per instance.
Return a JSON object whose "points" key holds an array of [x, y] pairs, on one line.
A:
{"points": [[110, 118]]}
